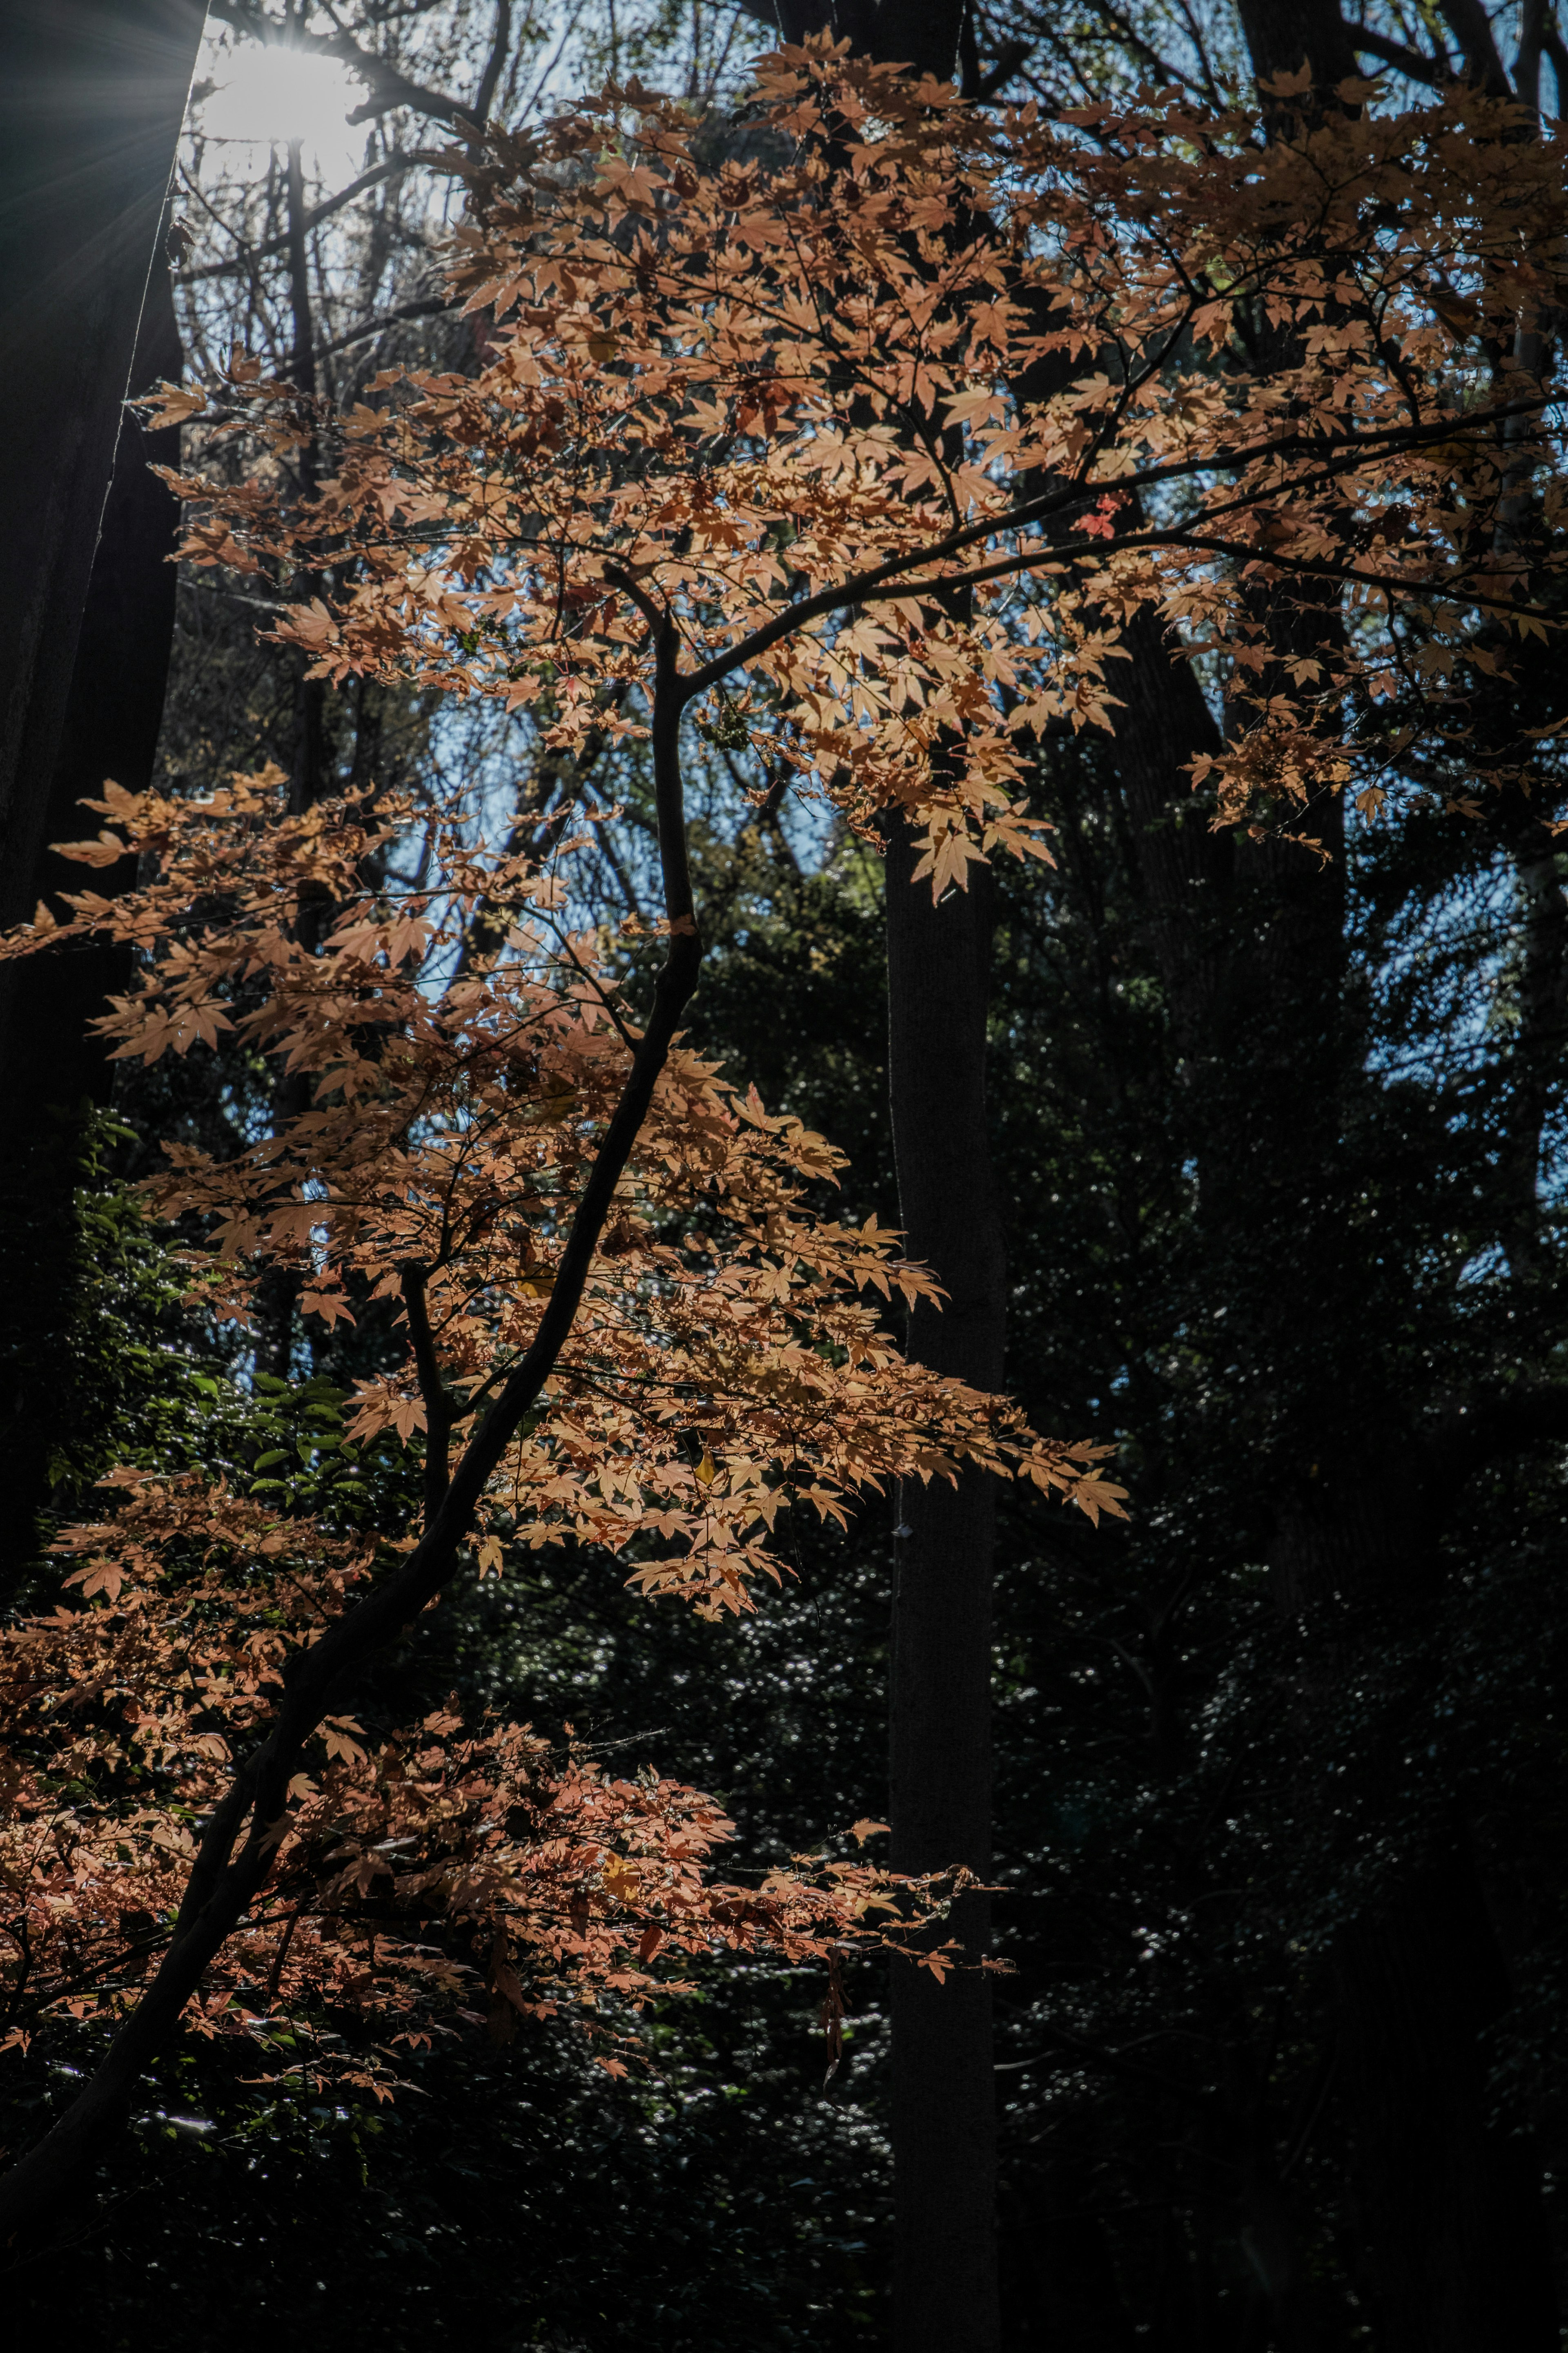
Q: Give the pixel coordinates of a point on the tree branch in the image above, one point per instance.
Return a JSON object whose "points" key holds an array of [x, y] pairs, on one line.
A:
{"points": [[1471, 27], [393, 168], [1110, 2062], [1394, 53], [864, 584], [1556, 48], [388, 87], [440, 1406], [490, 77], [242, 1837], [427, 306]]}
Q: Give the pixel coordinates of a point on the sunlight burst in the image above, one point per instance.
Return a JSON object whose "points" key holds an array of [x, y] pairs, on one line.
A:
{"points": [[273, 94]]}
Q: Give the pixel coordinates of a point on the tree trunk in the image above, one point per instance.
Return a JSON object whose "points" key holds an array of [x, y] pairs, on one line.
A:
{"points": [[92, 95], [1249, 946], [56, 1066], [308, 771], [943, 2088], [1460, 2257], [110, 730], [1282, 35], [943, 2096]]}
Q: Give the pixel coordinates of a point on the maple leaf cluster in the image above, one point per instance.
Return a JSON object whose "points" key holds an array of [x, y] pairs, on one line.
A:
{"points": [[903, 419], [860, 455], [726, 1362], [422, 1880], [729, 1358]]}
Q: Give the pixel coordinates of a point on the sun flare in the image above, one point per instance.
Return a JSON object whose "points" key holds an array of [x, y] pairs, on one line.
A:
{"points": [[264, 95]]}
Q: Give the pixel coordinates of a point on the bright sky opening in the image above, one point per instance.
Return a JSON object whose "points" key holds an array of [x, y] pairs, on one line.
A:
{"points": [[268, 95]]}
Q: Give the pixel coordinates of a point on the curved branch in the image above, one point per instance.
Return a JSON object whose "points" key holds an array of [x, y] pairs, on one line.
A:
{"points": [[243, 1835], [1393, 53], [440, 1406], [860, 587]]}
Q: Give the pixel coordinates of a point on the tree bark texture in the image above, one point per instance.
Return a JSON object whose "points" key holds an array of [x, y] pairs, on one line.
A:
{"points": [[944, 2090]]}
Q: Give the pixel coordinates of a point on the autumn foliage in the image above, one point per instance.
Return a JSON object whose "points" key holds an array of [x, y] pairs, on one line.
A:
{"points": [[904, 418], [724, 1367], [857, 457], [439, 1870]]}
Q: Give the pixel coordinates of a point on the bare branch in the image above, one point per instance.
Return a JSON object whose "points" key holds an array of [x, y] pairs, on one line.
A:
{"points": [[393, 168]]}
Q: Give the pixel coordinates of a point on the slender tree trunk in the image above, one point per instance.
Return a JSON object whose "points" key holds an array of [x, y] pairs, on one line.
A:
{"points": [[309, 766], [943, 2088], [1459, 2249], [943, 2099], [308, 770], [943, 2106]]}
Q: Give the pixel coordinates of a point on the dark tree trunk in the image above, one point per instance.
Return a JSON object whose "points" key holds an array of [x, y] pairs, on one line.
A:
{"points": [[920, 33], [943, 2100], [1184, 868], [1460, 2260], [1249, 943], [110, 731], [54, 1066], [1283, 36], [1249, 947], [943, 2096], [310, 770], [92, 95], [1458, 2251]]}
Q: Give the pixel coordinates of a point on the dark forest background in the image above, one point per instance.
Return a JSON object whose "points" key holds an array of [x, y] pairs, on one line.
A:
{"points": [[1281, 1808]]}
